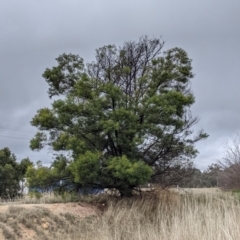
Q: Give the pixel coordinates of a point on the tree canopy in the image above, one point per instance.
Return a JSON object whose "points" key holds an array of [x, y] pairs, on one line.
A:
{"points": [[125, 118]]}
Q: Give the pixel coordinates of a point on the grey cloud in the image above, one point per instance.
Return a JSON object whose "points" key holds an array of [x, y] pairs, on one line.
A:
{"points": [[34, 33]]}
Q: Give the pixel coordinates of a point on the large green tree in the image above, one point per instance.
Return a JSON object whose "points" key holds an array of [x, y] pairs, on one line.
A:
{"points": [[125, 117]]}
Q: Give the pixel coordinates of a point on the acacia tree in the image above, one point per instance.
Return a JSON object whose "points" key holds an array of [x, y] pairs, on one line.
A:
{"points": [[125, 117]]}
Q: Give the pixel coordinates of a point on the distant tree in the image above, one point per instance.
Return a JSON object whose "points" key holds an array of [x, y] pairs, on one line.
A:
{"points": [[46, 178], [23, 166], [229, 174], [11, 172], [38, 176], [211, 175], [193, 180], [125, 117], [205, 179]]}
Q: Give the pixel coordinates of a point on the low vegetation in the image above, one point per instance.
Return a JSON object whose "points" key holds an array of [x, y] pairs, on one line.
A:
{"points": [[182, 215]]}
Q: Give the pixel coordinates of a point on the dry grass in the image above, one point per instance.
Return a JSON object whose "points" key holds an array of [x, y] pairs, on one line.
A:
{"points": [[188, 217], [211, 215], [42, 198]]}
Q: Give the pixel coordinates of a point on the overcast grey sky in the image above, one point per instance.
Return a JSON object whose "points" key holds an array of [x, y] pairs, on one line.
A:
{"points": [[34, 33]]}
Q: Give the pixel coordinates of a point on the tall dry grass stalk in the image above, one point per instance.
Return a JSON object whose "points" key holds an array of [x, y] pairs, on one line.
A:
{"points": [[167, 217]]}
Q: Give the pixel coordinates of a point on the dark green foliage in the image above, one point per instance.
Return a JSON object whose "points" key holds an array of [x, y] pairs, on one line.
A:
{"points": [[125, 118], [11, 172], [24, 164]]}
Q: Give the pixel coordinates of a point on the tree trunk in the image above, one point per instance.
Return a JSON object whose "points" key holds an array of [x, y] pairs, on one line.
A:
{"points": [[126, 192]]}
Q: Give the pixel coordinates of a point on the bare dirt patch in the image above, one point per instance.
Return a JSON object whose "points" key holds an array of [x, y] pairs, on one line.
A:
{"points": [[27, 233]]}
